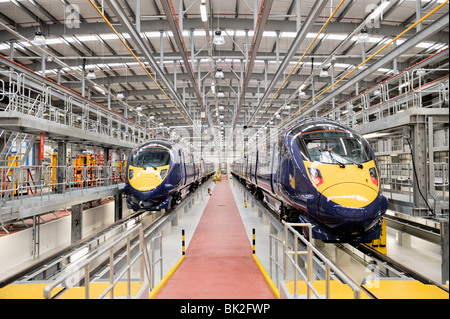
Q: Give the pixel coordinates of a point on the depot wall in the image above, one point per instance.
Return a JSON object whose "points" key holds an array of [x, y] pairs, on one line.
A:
{"points": [[16, 249]]}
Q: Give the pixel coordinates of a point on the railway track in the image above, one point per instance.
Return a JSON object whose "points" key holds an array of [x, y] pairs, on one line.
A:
{"points": [[366, 256], [55, 265]]}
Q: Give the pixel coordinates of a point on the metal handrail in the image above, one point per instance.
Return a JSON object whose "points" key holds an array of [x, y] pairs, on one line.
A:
{"points": [[310, 252], [156, 259], [28, 93], [272, 260], [142, 255]]}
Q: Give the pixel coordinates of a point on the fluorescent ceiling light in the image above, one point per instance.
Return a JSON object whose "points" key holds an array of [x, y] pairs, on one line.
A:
{"points": [[203, 13]]}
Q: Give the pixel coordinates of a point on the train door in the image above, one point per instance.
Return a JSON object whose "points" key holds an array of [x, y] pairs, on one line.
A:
{"points": [[274, 169], [246, 167], [193, 165], [256, 168], [183, 167], [250, 169]]}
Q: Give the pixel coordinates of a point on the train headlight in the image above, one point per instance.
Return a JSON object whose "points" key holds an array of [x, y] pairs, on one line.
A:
{"points": [[316, 176], [373, 175], [130, 174], [163, 173]]}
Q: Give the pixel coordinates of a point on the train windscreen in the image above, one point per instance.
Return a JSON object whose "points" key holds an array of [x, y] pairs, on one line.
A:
{"points": [[333, 147], [151, 157]]}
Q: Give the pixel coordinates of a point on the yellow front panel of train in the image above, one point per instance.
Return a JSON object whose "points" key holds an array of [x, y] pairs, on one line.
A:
{"points": [[349, 186], [147, 178]]}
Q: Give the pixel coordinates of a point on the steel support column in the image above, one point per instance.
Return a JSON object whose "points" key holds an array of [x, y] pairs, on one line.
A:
{"points": [[60, 170], [301, 35], [419, 151], [178, 37], [135, 36], [77, 222], [257, 37], [444, 251]]}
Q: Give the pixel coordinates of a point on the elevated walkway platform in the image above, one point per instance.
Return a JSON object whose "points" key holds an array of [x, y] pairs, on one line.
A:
{"points": [[35, 291], [405, 289], [338, 290], [219, 262], [380, 289], [28, 206]]}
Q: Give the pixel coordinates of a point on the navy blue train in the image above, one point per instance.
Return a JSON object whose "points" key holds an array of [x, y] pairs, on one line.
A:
{"points": [[159, 173], [322, 173]]}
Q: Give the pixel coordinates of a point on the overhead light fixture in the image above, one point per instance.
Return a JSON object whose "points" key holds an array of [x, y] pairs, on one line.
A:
{"points": [[39, 38], [120, 95], [277, 116], [91, 75], [151, 117], [363, 36], [139, 108], [301, 93], [219, 74], [218, 38], [376, 92], [221, 117], [220, 94], [221, 108], [203, 12], [323, 73]]}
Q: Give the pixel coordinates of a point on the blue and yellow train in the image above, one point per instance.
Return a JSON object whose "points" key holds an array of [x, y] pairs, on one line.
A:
{"points": [[159, 173], [322, 173]]}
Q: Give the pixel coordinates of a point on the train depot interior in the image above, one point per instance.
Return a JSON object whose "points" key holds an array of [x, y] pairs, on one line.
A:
{"points": [[229, 150]]}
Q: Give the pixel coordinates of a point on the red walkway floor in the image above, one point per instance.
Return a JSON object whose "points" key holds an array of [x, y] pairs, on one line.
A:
{"points": [[219, 262]]}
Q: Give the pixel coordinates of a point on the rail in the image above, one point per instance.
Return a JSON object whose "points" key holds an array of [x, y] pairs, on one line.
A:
{"points": [[38, 187], [273, 258], [156, 241], [17, 182], [25, 92], [310, 252], [397, 179], [84, 265], [400, 92]]}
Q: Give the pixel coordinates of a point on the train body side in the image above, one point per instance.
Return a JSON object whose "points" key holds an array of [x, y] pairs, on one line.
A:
{"points": [[342, 202]]}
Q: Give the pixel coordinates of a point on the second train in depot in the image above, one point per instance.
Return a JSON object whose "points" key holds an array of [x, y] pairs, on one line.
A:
{"points": [[160, 172], [322, 173]]}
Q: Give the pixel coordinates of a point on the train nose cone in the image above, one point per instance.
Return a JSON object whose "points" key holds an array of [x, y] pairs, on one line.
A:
{"points": [[349, 208], [351, 195]]}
